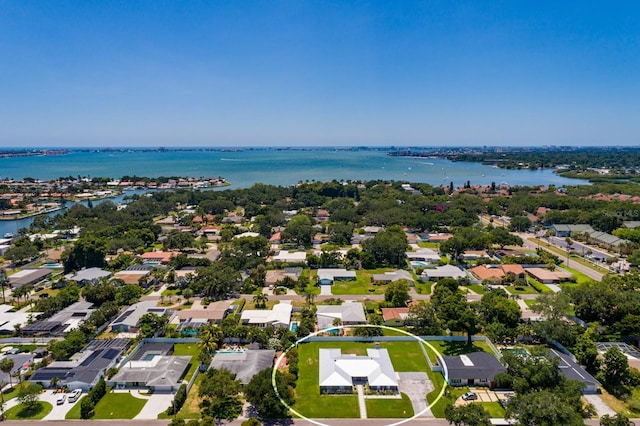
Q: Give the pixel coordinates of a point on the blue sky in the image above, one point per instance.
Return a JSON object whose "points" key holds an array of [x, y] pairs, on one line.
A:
{"points": [[229, 73]]}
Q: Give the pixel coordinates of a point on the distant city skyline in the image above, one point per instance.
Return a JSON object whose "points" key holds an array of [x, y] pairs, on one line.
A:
{"points": [[296, 73]]}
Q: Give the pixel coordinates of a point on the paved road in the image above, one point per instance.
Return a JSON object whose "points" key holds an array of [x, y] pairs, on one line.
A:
{"points": [[578, 247], [575, 265]]}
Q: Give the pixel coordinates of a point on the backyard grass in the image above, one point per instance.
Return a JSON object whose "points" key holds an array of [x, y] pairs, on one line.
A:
{"points": [[188, 349], [21, 412], [405, 356], [389, 409], [120, 405], [456, 348], [74, 413]]}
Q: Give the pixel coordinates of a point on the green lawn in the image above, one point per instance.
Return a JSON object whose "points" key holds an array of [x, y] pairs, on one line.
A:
{"points": [[423, 287], [494, 409], [527, 289], [456, 348], [74, 413], [580, 277], [20, 412], [478, 288], [12, 393], [190, 409], [188, 349], [389, 409], [362, 284], [120, 405], [428, 244], [450, 397], [530, 302], [405, 356]]}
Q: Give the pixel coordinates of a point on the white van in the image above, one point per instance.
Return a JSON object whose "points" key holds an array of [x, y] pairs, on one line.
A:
{"points": [[74, 395]]}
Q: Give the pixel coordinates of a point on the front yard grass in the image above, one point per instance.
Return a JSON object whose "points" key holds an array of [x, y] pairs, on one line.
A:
{"points": [[21, 412], [525, 289], [191, 407], [74, 413], [477, 288], [12, 392], [118, 405], [362, 283], [389, 408], [494, 409], [620, 406], [423, 287]]}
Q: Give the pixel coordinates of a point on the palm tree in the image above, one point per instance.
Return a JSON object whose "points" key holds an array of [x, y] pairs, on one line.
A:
{"points": [[309, 297], [6, 365], [54, 382], [261, 300], [210, 337], [4, 282]]}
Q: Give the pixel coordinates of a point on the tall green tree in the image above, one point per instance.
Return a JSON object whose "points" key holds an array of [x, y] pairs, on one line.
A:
{"points": [[615, 369], [260, 393], [388, 247], [6, 365], [220, 395], [397, 294], [4, 282], [467, 415], [299, 230]]}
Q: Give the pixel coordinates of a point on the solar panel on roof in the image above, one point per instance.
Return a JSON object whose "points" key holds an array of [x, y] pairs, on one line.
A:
{"points": [[111, 354]]}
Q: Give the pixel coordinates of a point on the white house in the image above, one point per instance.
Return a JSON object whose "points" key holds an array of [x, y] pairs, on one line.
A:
{"points": [[339, 373], [278, 317]]}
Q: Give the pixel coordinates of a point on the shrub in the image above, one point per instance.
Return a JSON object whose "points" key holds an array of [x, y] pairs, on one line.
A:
{"points": [[178, 400], [86, 408]]}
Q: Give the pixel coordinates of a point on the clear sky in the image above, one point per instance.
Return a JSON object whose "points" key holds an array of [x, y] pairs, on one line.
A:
{"points": [[228, 73]]}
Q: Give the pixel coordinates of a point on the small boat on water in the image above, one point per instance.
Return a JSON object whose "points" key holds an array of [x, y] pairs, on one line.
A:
{"points": [[9, 235]]}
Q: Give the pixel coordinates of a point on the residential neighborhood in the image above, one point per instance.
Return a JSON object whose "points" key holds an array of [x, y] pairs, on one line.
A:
{"points": [[157, 313]]}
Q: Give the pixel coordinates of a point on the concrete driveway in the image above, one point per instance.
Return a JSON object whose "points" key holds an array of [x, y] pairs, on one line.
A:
{"points": [[416, 386], [59, 411], [156, 404]]}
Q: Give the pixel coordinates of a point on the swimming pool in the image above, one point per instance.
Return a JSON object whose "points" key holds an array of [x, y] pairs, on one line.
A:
{"points": [[419, 263], [53, 265], [148, 357], [294, 326]]}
